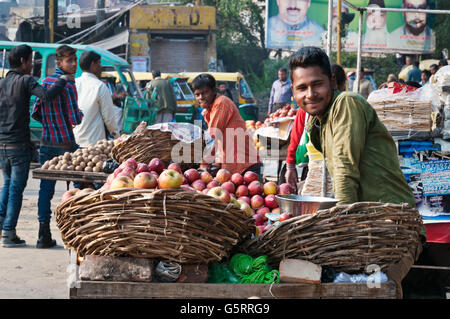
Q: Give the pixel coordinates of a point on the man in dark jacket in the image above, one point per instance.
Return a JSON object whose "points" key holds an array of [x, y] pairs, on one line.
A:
{"points": [[16, 90], [161, 90]]}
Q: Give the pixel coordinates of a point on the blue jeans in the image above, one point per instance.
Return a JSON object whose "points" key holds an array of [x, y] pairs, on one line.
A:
{"points": [[47, 187], [15, 165]]}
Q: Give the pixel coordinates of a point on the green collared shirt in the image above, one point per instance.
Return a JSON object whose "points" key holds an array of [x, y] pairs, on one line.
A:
{"points": [[360, 154]]}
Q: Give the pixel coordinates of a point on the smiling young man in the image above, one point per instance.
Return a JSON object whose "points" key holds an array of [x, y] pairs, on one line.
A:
{"points": [[234, 145], [360, 154]]}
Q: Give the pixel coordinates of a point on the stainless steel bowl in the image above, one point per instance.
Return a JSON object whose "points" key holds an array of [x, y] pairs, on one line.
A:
{"points": [[301, 205]]}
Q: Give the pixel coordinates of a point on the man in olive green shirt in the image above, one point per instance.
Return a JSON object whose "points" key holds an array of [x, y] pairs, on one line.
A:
{"points": [[161, 90], [360, 154]]}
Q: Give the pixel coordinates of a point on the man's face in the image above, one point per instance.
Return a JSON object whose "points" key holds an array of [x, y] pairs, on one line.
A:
{"points": [[205, 96], [282, 76], [335, 17], [96, 68], [293, 11], [433, 70], [222, 87], [375, 20], [424, 77], [312, 89], [68, 64], [28, 65], [415, 21]]}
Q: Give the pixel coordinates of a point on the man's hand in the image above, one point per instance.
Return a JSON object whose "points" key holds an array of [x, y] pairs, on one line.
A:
{"points": [[292, 178]]}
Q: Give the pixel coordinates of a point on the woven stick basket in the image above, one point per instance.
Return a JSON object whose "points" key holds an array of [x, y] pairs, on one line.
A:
{"points": [[346, 237], [170, 224], [145, 146]]}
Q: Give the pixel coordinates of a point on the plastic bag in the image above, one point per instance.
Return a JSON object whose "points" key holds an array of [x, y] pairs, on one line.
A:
{"points": [[361, 278], [220, 274]]}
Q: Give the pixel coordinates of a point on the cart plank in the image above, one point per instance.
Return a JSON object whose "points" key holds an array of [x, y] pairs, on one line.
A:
{"points": [[72, 176], [104, 289]]}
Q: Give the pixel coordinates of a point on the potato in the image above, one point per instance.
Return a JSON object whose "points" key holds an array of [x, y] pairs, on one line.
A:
{"points": [[57, 166], [96, 169], [46, 165], [90, 164], [99, 164], [63, 167], [88, 169], [78, 168], [82, 165], [70, 167], [75, 162], [52, 167], [90, 157], [95, 159]]}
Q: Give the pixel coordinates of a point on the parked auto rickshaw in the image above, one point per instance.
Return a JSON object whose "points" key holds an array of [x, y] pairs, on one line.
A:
{"points": [[186, 105], [136, 108], [240, 90]]}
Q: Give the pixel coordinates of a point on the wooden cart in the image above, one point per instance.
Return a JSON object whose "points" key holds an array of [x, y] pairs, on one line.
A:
{"points": [[69, 176]]}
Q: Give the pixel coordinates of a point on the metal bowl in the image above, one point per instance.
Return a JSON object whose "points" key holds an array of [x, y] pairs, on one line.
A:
{"points": [[302, 205]]}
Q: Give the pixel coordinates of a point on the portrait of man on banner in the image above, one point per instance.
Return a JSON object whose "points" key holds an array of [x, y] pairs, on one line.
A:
{"points": [[376, 27], [291, 28]]}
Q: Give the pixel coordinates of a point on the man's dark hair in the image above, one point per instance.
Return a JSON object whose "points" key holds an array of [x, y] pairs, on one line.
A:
{"points": [[310, 56], [443, 62], [87, 58], [204, 80], [380, 3], [413, 84], [156, 73], [434, 66], [428, 73], [282, 70], [339, 74], [17, 53], [416, 63], [64, 51]]}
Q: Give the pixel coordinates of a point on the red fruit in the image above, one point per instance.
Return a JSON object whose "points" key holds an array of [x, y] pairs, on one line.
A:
{"points": [[110, 178], [255, 188], [229, 186], [284, 216], [186, 187], [245, 199], [185, 181], [141, 167], [250, 177], [220, 193], [260, 229], [212, 184], [117, 171], [154, 173], [223, 175], [170, 179], [206, 177], [263, 211], [192, 175], [256, 201], [270, 188], [198, 185], [145, 180], [205, 191], [267, 227], [126, 164], [133, 162], [276, 210], [271, 201], [237, 179], [241, 190], [175, 167], [156, 165], [285, 189], [129, 171], [259, 220]]}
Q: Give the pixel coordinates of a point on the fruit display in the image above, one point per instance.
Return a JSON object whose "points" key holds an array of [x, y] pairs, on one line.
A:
{"points": [[285, 111], [89, 159]]}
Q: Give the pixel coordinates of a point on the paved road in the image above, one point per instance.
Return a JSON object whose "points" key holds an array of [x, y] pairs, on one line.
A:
{"points": [[29, 273]]}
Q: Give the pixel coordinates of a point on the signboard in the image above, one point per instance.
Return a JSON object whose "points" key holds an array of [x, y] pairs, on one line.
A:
{"points": [[294, 24], [165, 17], [436, 177], [139, 64]]}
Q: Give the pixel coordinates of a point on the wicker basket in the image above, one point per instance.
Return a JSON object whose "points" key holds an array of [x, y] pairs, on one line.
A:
{"points": [[143, 147], [346, 237], [172, 224]]}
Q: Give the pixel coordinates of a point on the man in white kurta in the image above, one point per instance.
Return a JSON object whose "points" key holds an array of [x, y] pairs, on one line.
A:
{"points": [[95, 101]]}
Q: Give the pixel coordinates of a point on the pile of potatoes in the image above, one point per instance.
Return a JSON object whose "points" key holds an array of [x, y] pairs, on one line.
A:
{"points": [[89, 159]]}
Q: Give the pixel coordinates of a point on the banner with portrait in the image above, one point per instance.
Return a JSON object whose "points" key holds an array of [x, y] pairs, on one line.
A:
{"points": [[291, 24]]}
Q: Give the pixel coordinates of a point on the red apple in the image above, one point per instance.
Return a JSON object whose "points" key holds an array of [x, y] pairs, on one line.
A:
{"points": [[170, 179], [245, 199], [245, 207], [69, 193], [250, 177], [175, 167], [192, 175], [270, 201], [234, 201], [219, 193], [256, 201], [130, 171], [270, 188], [133, 162], [121, 182], [117, 171], [198, 185], [255, 188], [109, 179], [154, 173], [212, 184], [126, 164], [263, 211], [205, 191], [145, 180], [237, 179], [156, 165], [186, 187], [284, 216], [206, 177], [259, 220], [241, 190], [141, 167], [229, 186], [223, 175], [285, 189], [125, 174]]}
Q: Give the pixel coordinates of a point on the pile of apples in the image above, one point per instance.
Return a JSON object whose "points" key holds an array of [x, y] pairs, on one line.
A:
{"points": [[285, 111], [253, 125]]}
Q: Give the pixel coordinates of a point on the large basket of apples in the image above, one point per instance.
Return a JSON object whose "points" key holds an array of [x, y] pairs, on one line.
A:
{"points": [[150, 211]]}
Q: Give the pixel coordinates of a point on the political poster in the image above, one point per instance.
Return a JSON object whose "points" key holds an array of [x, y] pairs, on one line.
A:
{"points": [[291, 24]]}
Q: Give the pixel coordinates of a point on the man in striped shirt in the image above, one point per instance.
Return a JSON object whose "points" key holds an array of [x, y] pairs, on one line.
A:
{"points": [[58, 117]]}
